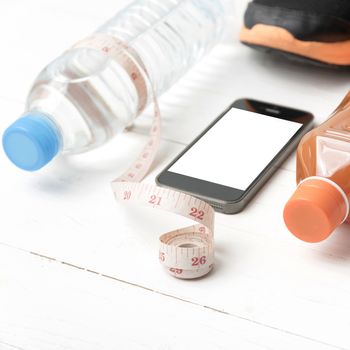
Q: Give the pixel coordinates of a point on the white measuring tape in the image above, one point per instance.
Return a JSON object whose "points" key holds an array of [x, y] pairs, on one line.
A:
{"points": [[185, 253]]}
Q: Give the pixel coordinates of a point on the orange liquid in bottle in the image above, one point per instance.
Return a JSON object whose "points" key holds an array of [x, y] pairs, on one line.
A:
{"points": [[321, 201]]}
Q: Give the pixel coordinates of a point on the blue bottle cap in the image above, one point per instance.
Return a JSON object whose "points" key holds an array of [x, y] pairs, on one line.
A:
{"points": [[32, 141]]}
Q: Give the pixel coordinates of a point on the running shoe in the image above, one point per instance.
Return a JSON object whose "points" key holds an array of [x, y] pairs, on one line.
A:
{"points": [[316, 31]]}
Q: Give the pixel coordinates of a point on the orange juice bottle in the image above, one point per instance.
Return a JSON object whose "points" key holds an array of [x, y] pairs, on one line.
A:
{"points": [[321, 201]]}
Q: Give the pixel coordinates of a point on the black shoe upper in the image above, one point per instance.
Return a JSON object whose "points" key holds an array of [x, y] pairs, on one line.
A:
{"points": [[308, 20], [336, 8]]}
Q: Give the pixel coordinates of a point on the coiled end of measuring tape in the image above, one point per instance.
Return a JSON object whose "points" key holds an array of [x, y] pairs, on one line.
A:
{"points": [[188, 254]]}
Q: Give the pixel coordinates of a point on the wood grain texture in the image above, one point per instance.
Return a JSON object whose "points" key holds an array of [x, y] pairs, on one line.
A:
{"points": [[54, 306], [99, 284]]}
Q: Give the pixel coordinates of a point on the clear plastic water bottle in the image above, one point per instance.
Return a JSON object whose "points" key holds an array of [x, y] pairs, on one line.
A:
{"points": [[84, 98]]}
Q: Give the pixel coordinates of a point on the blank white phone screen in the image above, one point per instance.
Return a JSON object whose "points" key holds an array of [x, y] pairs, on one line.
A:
{"points": [[236, 149]]}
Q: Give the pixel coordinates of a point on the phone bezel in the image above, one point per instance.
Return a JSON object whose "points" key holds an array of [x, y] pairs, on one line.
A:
{"points": [[228, 199]]}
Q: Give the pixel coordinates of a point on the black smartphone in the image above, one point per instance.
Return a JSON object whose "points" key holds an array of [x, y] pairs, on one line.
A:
{"points": [[236, 154]]}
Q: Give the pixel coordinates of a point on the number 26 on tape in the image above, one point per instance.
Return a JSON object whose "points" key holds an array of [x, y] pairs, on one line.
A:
{"points": [[199, 261]]}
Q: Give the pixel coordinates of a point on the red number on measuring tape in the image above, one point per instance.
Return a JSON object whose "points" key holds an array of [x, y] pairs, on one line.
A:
{"points": [[155, 200], [161, 256], [176, 271], [199, 261], [127, 195], [198, 214]]}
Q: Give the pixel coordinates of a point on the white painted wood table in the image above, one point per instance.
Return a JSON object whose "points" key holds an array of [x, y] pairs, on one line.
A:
{"points": [[76, 272]]}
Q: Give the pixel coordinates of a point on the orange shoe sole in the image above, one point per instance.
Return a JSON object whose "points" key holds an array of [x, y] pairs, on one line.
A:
{"points": [[272, 37]]}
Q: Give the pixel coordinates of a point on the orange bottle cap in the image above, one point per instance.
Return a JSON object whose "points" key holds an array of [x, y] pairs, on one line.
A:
{"points": [[315, 209]]}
